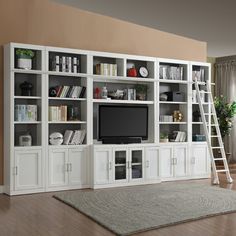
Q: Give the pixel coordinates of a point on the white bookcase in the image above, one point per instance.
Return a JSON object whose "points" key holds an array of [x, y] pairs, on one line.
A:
{"points": [[44, 167]]}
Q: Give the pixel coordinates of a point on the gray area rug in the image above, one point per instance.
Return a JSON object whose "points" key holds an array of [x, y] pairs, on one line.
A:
{"points": [[129, 210]]}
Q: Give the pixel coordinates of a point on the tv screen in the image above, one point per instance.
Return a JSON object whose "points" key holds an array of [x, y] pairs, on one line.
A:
{"points": [[123, 121]]}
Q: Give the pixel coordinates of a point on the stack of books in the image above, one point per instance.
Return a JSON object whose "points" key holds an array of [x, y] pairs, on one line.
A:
{"points": [[70, 91], [106, 69], [25, 113], [75, 137], [166, 118], [57, 113]]}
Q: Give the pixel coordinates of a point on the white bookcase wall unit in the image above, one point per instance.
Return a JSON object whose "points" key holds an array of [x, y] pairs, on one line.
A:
{"points": [[58, 77]]}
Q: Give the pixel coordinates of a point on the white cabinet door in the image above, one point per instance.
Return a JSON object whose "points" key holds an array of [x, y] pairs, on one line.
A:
{"points": [[58, 168], [77, 166], [28, 169], [166, 161], [152, 164], [200, 161], [180, 161], [102, 165]]}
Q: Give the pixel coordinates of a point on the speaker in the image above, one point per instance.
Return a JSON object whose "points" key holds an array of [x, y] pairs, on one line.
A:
{"points": [[121, 140]]}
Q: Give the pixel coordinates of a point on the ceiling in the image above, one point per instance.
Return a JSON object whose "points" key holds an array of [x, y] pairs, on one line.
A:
{"points": [[212, 21]]}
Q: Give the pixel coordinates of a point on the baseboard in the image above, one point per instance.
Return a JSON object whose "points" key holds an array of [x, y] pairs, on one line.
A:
{"points": [[1, 188]]}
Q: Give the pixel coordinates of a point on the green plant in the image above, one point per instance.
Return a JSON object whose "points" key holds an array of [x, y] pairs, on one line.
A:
{"points": [[24, 53], [141, 88], [163, 136], [225, 112]]}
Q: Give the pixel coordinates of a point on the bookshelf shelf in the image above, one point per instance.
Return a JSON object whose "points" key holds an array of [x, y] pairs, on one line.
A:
{"points": [[67, 99], [175, 123], [170, 102], [26, 122], [28, 97], [173, 81], [67, 122], [67, 74], [120, 79], [121, 101], [23, 71]]}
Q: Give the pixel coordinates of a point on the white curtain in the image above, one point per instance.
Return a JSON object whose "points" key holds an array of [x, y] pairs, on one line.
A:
{"points": [[225, 78]]}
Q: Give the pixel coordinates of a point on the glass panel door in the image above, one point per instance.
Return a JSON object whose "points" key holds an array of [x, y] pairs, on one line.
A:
{"points": [[120, 164], [136, 164]]}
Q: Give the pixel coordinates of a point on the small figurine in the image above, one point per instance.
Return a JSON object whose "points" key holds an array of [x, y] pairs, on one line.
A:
{"points": [[177, 116]]}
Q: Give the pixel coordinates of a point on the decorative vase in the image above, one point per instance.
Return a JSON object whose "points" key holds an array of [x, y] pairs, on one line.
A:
{"points": [[164, 140], [24, 63], [26, 88], [141, 96]]}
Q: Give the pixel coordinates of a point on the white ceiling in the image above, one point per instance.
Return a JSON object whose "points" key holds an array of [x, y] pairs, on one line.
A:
{"points": [[212, 21]]}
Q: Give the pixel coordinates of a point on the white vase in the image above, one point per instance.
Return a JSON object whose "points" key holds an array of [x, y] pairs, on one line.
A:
{"points": [[24, 63]]}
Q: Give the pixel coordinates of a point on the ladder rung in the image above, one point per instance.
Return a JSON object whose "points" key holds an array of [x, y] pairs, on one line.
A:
{"points": [[207, 114], [219, 159], [219, 147], [221, 171], [215, 136], [211, 124], [205, 92]]}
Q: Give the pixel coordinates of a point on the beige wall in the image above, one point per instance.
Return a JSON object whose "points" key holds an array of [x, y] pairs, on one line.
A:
{"points": [[47, 23]]}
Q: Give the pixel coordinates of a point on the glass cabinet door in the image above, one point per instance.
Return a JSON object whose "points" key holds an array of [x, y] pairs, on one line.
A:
{"points": [[137, 164], [120, 159]]}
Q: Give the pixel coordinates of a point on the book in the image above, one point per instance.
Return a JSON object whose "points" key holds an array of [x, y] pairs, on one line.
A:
{"points": [[82, 92], [67, 137]]}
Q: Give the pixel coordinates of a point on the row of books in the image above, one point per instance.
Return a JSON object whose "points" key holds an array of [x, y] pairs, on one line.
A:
{"points": [[25, 113], [198, 75], [106, 69], [75, 137], [70, 91], [171, 72], [57, 113]]}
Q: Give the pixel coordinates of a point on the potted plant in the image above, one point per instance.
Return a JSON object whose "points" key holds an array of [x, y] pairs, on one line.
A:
{"points": [[24, 58], [164, 138], [141, 91], [225, 112]]}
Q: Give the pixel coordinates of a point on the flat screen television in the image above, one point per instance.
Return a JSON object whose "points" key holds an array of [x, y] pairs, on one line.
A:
{"points": [[122, 122]]}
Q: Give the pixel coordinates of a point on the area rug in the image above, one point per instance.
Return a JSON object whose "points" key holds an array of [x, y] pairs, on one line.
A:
{"points": [[129, 210]]}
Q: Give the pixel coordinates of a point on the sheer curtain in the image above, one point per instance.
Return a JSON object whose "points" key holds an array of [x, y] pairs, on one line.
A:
{"points": [[225, 78]]}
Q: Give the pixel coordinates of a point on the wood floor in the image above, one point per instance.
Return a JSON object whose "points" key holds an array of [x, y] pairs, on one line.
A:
{"points": [[42, 215]]}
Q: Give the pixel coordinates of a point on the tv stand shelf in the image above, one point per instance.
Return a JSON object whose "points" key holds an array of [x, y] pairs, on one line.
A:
{"points": [[57, 78]]}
